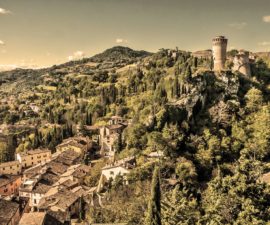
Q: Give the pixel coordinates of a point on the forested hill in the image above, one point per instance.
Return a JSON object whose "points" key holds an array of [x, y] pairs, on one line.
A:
{"points": [[118, 56], [212, 128]]}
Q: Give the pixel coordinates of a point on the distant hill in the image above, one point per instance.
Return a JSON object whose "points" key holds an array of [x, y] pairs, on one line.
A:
{"points": [[120, 53], [120, 56], [203, 53]]}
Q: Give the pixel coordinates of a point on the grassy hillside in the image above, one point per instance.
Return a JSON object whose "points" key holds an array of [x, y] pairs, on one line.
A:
{"points": [[213, 129]]}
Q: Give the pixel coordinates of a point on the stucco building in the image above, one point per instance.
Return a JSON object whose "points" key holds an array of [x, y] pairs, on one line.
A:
{"points": [[11, 168], [79, 144], [9, 185], [33, 157]]}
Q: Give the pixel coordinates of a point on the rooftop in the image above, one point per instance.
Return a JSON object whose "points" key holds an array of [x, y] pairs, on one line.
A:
{"points": [[11, 163], [57, 167], [61, 200], [115, 126], [6, 179], [33, 218], [7, 209], [34, 152], [68, 157], [41, 188]]}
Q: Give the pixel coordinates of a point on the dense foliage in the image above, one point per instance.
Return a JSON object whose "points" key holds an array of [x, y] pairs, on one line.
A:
{"points": [[212, 128]]}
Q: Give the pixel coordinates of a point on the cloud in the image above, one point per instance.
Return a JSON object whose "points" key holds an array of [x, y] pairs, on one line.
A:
{"points": [[121, 40], [6, 67], [4, 11], [238, 26], [264, 43], [76, 55], [2, 43], [266, 19]]}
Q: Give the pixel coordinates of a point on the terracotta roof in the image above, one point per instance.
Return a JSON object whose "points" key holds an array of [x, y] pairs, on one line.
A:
{"points": [[41, 188], [93, 128], [7, 210], [6, 179], [116, 117], [49, 178], [61, 200], [114, 126], [11, 163], [34, 152], [33, 218], [68, 157], [70, 143], [56, 167]]}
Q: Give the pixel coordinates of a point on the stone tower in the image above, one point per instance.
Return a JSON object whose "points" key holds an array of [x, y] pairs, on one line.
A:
{"points": [[219, 52], [241, 63]]}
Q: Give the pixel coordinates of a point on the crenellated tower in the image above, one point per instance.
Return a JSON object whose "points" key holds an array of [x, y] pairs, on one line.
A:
{"points": [[219, 52]]}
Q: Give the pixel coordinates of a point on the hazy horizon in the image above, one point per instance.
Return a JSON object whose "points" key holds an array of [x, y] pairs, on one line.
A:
{"points": [[36, 33]]}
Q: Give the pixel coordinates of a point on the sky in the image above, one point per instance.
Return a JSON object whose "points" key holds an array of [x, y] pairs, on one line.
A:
{"points": [[38, 33]]}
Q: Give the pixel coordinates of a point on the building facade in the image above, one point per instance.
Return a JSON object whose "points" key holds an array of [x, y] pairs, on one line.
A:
{"points": [[9, 185], [11, 168], [33, 157]]}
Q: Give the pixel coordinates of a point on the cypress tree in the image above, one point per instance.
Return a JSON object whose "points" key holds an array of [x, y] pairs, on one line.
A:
{"points": [[154, 206], [188, 73]]}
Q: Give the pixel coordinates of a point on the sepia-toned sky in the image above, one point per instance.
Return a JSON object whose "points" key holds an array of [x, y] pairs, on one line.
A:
{"points": [[46, 32]]}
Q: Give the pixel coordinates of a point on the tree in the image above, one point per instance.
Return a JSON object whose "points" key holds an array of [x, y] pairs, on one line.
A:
{"points": [[186, 172], [154, 206], [3, 152], [179, 207], [254, 99], [188, 74]]}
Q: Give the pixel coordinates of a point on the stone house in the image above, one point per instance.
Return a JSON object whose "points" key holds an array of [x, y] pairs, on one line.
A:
{"points": [[79, 144], [9, 212], [33, 157], [108, 135], [9, 185], [61, 200], [121, 167], [11, 168], [117, 120], [110, 172], [38, 218]]}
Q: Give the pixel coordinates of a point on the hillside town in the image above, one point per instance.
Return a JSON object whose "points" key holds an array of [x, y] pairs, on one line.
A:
{"points": [[41, 187], [84, 142]]}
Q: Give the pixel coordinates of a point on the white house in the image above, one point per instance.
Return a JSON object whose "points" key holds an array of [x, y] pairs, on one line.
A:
{"points": [[110, 172]]}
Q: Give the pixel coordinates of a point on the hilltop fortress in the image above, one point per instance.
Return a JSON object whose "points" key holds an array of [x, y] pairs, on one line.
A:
{"points": [[241, 62]]}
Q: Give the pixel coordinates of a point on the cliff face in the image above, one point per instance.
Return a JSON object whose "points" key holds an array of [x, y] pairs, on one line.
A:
{"points": [[211, 95]]}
